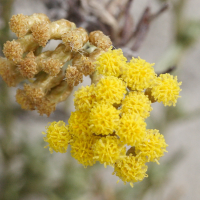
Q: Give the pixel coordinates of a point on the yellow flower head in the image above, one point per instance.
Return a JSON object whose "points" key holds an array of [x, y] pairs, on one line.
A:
{"points": [[152, 147], [166, 89], [138, 74], [108, 149], [110, 90], [130, 169], [79, 123], [132, 129], [103, 119], [111, 62], [137, 102], [58, 137], [81, 149], [85, 98]]}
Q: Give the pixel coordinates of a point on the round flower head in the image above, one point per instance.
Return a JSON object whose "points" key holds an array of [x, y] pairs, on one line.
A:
{"points": [[79, 123], [152, 147], [111, 62], [18, 24], [85, 98], [58, 137], [131, 129], [137, 102], [110, 90], [166, 89], [108, 149], [81, 149], [138, 74], [130, 169], [103, 119]]}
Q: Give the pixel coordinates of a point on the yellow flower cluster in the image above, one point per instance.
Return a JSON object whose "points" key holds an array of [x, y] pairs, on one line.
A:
{"points": [[166, 89], [152, 147], [57, 136], [110, 115], [112, 62], [130, 169], [138, 74]]}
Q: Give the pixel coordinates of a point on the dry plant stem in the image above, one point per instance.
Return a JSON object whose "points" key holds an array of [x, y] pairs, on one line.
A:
{"points": [[77, 62], [43, 31], [164, 7], [21, 24], [61, 54], [56, 95], [60, 92], [50, 62], [85, 63], [14, 50], [9, 72], [98, 39], [143, 25], [105, 16], [56, 60], [117, 7], [169, 70], [141, 29], [128, 24], [95, 76], [30, 65], [39, 88]]}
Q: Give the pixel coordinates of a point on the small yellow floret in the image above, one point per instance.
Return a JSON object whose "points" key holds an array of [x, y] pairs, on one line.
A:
{"points": [[111, 62], [130, 169], [138, 74], [137, 102], [81, 149], [132, 129], [108, 149], [166, 89], [152, 147], [84, 98], [103, 119], [58, 137], [79, 123], [110, 90]]}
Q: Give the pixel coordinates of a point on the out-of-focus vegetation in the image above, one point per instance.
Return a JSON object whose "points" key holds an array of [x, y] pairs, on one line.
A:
{"points": [[27, 171]]}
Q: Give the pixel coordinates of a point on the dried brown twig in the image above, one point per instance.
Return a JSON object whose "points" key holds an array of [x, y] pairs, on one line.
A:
{"points": [[115, 19]]}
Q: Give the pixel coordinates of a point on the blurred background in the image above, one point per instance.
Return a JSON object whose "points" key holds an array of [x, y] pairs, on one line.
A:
{"points": [[162, 32]]}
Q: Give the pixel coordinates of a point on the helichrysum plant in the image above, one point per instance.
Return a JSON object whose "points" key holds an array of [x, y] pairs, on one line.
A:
{"points": [[108, 125]]}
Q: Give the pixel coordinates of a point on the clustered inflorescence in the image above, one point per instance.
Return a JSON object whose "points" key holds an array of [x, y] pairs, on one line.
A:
{"points": [[110, 113]]}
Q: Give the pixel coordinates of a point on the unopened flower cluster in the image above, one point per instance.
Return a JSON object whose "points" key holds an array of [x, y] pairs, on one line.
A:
{"points": [[48, 77], [108, 125]]}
